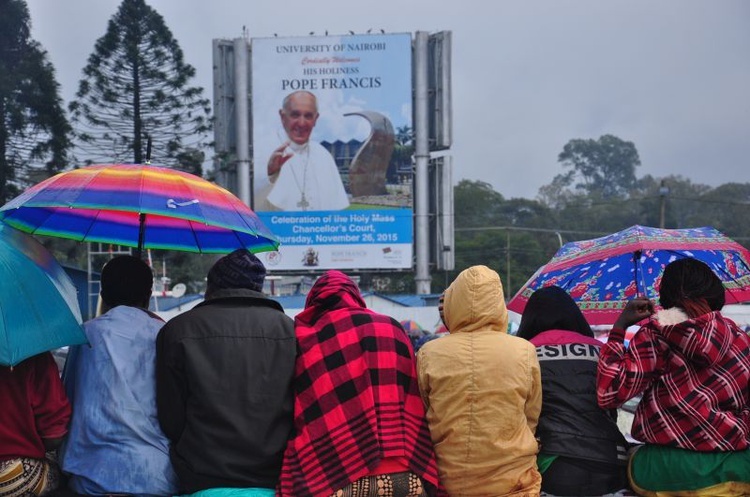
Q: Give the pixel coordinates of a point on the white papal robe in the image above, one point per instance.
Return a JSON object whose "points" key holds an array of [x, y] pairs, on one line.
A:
{"points": [[308, 181]]}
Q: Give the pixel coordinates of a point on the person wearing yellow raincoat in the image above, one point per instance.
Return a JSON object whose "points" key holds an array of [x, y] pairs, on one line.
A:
{"points": [[482, 392]]}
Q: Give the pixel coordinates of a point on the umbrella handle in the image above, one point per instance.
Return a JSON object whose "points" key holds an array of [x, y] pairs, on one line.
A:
{"points": [[148, 149], [141, 234]]}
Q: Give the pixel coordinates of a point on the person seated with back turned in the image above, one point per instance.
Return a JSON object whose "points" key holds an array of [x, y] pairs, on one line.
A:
{"points": [[483, 393], [115, 444], [582, 450], [33, 420], [360, 429], [692, 366], [224, 384]]}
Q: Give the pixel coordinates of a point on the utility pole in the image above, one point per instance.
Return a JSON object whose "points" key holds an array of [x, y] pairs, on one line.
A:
{"points": [[507, 262], [663, 192]]}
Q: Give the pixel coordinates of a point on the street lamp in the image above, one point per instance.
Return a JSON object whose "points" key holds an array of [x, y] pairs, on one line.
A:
{"points": [[663, 192]]}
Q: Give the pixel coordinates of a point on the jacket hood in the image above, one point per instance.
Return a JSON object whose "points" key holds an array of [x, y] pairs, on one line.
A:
{"points": [[475, 301], [334, 290], [703, 340]]}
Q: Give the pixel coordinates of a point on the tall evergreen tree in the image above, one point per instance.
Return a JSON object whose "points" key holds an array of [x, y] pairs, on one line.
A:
{"points": [[34, 133], [135, 86]]}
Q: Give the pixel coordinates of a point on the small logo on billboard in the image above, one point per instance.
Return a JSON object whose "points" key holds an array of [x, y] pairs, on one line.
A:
{"points": [[273, 258], [310, 258], [393, 255]]}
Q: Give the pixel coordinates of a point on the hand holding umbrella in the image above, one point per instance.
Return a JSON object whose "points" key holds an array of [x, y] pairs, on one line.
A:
{"points": [[634, 312]]}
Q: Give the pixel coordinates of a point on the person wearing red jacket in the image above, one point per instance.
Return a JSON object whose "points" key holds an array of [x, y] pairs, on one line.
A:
{"points": [[34, 419], [692, 366]]}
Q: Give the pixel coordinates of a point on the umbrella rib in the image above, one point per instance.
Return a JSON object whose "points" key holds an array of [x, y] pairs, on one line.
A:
{"points": [[91, 225], [195, 237], [200, 209]]}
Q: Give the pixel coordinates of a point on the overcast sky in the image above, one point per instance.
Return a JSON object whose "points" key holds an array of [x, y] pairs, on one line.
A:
{"points": [[672, 76]]}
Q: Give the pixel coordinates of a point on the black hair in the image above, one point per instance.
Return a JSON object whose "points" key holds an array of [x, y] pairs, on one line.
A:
{"points": [[551, 308], [126, 280], [690, 279]]}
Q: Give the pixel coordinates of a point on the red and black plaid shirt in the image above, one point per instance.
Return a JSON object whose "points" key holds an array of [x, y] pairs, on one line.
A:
{"points": [[356, 395], [694, 377]]}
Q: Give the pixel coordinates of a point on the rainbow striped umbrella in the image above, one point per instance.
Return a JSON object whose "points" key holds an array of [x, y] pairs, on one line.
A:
{"points": [[141, 206], [412, 328]]}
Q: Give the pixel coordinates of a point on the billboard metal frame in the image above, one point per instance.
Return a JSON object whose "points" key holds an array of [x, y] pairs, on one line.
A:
{"points": [[433, 190]]}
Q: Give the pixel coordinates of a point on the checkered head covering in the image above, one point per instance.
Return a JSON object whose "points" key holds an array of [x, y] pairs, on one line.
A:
{"points": [[240, 269]]}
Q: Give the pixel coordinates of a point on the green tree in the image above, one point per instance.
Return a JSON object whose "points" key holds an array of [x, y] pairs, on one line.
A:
{"points": [[603, 167], [476, 203], [514, 236], [34, 133], [136, 85]]}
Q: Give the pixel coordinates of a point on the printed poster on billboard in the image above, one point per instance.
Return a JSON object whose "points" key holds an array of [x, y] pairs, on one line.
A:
{"points": [[332, 149]]}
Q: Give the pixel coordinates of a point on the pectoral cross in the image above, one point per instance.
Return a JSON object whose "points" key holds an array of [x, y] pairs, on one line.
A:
{"points": [[303, 203]]}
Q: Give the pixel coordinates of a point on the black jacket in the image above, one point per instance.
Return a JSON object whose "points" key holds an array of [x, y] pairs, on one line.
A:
{"points": [[224, 396], [571, 423]]}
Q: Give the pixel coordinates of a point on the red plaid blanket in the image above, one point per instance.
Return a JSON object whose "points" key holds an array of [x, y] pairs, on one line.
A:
{"points": [[357, 399]]}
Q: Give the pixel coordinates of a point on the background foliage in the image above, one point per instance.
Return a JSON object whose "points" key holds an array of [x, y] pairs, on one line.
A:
{"points": [[136, 84]]}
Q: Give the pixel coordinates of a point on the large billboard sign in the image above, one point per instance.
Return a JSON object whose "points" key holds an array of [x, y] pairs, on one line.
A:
{"points": [[332, 147]]}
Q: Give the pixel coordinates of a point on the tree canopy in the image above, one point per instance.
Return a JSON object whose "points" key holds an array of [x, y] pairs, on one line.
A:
{"points": [[136, 85], [603, 167], [516, 236], [34, 133]]}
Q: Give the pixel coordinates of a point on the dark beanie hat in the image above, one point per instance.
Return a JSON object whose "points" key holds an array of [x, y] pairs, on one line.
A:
{"points": [[240, 269], [126, 280]]}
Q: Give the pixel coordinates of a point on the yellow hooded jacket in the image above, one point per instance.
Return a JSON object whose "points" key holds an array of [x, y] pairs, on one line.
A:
{"points": [[482, 392]]}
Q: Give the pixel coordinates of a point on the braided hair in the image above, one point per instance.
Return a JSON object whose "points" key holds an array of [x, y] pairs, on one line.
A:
{"points": [[690, 280]]}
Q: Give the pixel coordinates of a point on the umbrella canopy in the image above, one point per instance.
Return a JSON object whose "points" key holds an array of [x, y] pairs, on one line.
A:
{"points": [[441, 330], [412, 327], [604, 273], [38, 300], [142, 206]]}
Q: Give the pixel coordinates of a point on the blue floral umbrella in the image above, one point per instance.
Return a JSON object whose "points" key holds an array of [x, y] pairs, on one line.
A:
{"points": [[604, 273], [38, 305]]}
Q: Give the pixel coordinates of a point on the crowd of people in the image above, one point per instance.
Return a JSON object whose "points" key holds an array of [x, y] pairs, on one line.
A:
{"points": [[235, 399]]}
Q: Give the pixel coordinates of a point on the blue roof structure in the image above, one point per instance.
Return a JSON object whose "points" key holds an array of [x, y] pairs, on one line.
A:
{"points": [[167, 303], [291, 301], [410, 300]]}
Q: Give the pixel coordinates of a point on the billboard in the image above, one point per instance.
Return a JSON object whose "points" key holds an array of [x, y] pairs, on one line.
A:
{"points": [[332, 150]]}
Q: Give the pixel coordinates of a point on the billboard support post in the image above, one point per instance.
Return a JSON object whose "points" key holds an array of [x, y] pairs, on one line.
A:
{"points": [[242, 119], [422, 158], [398, 82]]}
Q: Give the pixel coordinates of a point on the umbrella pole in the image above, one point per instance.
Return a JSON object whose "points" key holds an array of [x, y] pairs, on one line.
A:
{"points": [[640, 285], [141, 234]]}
